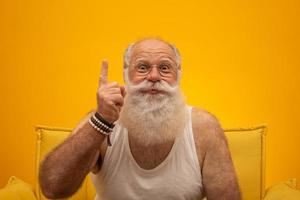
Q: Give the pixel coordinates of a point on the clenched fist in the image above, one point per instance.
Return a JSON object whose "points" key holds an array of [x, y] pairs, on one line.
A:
{"points": [[110, 96]]}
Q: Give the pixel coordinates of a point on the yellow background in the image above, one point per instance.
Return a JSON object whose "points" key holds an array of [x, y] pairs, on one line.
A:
{"points": [[241, 62]]}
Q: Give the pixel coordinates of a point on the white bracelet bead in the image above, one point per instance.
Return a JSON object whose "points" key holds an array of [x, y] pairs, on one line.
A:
{"points": [[98, 128], [101, 123]]}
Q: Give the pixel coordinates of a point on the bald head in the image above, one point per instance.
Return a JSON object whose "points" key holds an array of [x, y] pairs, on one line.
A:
{"points": [[151, 46]]}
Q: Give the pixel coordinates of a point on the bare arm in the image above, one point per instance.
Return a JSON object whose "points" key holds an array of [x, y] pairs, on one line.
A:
{"points": [[64, 169], [218, 173]]}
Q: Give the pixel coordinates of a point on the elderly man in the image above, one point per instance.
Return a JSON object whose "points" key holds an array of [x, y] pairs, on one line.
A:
{"points": [[143, 141]]}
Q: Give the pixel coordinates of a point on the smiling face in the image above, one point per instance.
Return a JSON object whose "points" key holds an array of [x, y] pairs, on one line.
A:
{"points": [[152, 60]]}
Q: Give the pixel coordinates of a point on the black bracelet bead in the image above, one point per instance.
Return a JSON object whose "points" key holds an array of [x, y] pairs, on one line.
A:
{"points": [[100, 118]]}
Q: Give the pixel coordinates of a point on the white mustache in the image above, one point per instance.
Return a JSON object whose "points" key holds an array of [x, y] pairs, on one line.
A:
{"points": [[148, 85]]}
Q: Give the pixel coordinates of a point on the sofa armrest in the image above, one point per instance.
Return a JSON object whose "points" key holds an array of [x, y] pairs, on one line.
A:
{"points": [[283, 191], [16, 189]]}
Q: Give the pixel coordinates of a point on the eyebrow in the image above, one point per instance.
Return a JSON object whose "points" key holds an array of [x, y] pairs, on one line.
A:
{"points": [[146, 60]]}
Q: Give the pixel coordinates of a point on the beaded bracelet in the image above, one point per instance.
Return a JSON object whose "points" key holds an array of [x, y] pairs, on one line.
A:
{"points": [[101, 126], [100, 118]]}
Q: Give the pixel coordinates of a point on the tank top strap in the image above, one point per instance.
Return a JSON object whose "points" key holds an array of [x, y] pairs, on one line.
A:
{"points": [[191, 141]]}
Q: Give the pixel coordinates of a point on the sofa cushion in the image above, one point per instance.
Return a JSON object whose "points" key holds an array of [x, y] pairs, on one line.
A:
{"points": [[247, 147], [16, 189], [283, 191]]}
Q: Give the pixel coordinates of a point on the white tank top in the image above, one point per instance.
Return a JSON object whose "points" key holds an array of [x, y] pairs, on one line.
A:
{"points": [[178, 177]]}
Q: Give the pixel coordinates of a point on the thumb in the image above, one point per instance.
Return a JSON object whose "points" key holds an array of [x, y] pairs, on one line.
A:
{"points": [[123, 91]]}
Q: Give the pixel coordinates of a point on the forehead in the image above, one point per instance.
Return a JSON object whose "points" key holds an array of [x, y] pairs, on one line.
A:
{"points": [[152, 48]]}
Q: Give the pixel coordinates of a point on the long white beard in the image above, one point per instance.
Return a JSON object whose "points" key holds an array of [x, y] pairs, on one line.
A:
{"points": [[153, 118]]}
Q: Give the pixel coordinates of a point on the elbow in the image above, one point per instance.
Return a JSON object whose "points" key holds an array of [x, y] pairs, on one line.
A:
{"points": [[52, 188], [52, 194], [55, 191]]}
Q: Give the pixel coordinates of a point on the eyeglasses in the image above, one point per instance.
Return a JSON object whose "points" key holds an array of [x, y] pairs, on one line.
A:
{"points": [[164, 69]]}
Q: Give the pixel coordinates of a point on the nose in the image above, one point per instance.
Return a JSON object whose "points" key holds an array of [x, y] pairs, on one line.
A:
{"points": [[154, 75]]}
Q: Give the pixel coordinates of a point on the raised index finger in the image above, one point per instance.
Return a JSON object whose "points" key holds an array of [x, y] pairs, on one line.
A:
{"points": [[104, 71]]}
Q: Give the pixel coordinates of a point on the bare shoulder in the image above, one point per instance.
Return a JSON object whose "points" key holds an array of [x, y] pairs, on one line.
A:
{"points": [[205, 123], [201, 116], [207, 131]]}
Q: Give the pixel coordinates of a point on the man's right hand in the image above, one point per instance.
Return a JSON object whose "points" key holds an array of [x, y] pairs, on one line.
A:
{"points": [[110, 96]]}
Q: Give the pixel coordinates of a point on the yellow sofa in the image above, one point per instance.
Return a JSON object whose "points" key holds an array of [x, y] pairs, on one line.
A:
{"points": [[247, 146]]}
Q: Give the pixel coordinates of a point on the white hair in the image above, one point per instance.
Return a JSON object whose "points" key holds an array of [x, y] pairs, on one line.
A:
{"points": [[128, 51]]}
